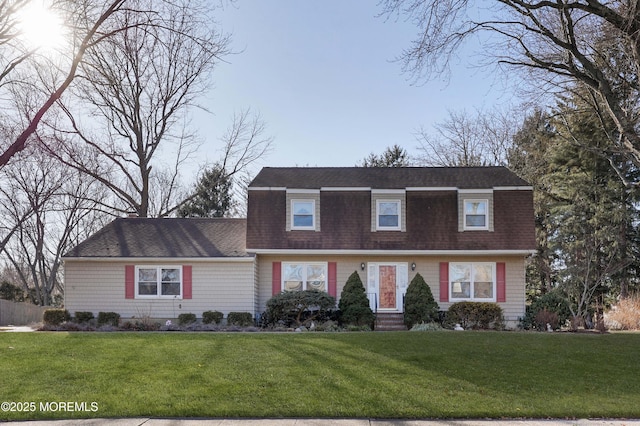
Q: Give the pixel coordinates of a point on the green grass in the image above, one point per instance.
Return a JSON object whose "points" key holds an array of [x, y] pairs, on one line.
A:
{"points": [[381, 375]]}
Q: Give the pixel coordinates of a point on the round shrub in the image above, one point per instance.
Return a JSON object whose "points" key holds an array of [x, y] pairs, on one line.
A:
{"points": [[419, 304], [55, 316], [354, 304], [541, 311], [243, 319], [212, 317], [83, 317], [298, 307], [186, 319], [108, 318], [475, 315]]}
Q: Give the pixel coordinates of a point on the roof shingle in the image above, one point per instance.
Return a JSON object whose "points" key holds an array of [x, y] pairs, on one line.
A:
{"points": [[163, 238], [386, 178]]}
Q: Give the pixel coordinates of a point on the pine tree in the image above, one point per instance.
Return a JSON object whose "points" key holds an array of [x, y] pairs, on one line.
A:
{"points": [[354, 304], [419, 304]]}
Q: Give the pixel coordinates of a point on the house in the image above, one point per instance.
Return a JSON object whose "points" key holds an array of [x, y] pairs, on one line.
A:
{"points": [[467, 231]]}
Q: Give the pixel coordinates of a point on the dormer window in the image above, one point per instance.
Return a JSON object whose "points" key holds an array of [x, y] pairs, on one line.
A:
{"points": [[303, 214], [476, 215], [388, 215]]}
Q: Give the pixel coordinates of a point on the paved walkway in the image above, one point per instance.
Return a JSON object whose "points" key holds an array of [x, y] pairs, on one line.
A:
{"points": [[327, 422]]}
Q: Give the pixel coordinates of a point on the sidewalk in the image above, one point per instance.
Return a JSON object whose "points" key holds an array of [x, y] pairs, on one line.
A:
{"points": [[327, 422]]}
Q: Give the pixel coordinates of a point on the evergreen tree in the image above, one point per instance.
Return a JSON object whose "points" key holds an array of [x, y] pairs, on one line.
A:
{"points": [[419, 304], [212, 195], [354, 304], [393, 156]]}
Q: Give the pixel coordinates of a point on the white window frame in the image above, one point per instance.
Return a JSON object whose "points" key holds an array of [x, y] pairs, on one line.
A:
{"points": [[313, 214], [468, 227], [158, 294], [471, 297], [305, 266], [389, 228]]}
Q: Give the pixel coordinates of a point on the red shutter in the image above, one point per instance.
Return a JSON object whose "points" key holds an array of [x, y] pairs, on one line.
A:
{"points": [[276, 278], [187, 279], [501, 282], [129, 281], [333, 279], [444, 281]]}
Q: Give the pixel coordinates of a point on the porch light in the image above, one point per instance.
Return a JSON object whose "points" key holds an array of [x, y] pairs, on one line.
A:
{"points": [[362, 265], [413, 266]]}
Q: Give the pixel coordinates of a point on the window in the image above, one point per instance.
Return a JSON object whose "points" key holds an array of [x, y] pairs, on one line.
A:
{"points": [[303, 214], [472, 281], [304, 276], [388, 215], [158, 281], [476, 214]]}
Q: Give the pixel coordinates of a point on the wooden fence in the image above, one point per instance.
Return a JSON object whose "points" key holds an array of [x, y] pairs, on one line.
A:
{"points": [[12, 313]]}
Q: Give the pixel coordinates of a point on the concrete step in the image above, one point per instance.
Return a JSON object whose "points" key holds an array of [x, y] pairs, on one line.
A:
{"points": [[390, 322]]}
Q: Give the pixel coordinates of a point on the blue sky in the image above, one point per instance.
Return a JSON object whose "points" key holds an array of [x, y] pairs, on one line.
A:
{"points": [[322, 75]]}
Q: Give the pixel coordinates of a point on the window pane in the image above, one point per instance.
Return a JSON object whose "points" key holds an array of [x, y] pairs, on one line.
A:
{"points": [[302, 220], [316, 277], [171, 289], [148, 274], [171, 275], [460, 289], [476, 220], [147, 288], [483, 273], [293, 277], [460, 272], [483, 290], [388, 221], [476, 208], [388, 209]]}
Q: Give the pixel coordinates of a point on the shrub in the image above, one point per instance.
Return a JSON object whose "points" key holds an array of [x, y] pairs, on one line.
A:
{"points": [[209, 317], [545, 317], [552, 302], [243, 319], [419, 304], [186, 319], [625, 315], [55, 316], [11, 292], [426, 326], [83, 317], [140, 326], [475, 315], [354, 304], [298, 307], [108, 318]]}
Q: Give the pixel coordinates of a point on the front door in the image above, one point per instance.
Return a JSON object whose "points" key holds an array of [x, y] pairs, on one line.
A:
{"points": [[387, 284], [387, 281]]}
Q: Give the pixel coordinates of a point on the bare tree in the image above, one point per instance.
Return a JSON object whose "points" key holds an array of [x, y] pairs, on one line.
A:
{"points": [[481, 139], [132, 100], [562, 43], [60, 216], [87, 20]]}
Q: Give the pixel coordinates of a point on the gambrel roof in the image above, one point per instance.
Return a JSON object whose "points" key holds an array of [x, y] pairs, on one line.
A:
{"points": [[386, 178], [166, 238]]}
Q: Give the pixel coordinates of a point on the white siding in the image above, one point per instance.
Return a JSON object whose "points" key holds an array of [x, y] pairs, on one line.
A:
{"points": [[427, 266], [100, 286]]}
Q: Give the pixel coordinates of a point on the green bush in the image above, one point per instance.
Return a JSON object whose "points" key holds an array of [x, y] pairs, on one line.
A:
{"points": [[108, 318], [475, 315], [212, 317], [55, 316], [11, 292], [419, 304], [186, 319], [428, 326], [354, 304], [243, 319], [82, 317], [298, 308], [553, 303]]}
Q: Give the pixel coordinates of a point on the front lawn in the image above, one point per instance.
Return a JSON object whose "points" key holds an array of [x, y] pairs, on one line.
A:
{"points": [[364, 375]]}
